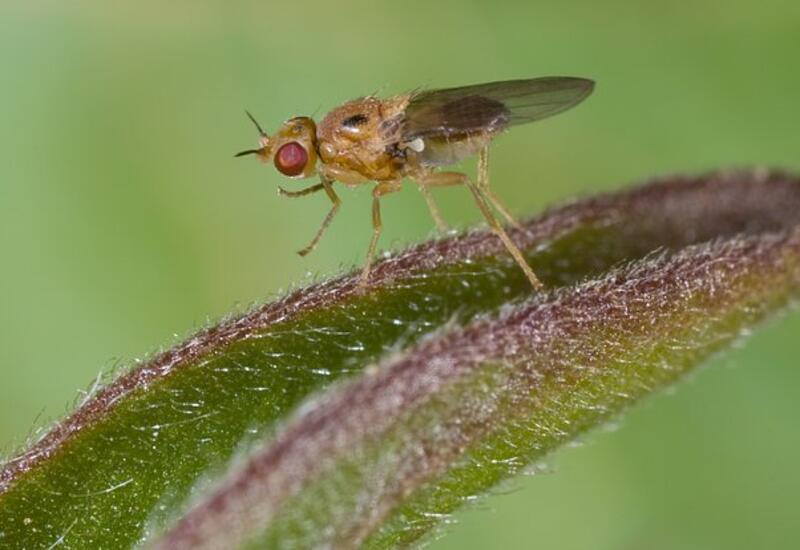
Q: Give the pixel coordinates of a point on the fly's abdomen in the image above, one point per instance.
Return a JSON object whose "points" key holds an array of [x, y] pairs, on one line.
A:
{"points": [[443, 151]]}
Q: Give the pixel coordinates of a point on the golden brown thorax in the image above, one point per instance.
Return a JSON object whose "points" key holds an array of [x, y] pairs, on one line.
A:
{"points": [[357, 141]]}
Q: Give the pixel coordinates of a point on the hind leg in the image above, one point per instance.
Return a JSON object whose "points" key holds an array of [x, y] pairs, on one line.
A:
{"points": [[444, 179], [483, 185]]}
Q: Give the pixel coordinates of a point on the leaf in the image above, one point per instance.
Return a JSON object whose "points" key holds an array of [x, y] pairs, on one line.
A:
{"points": [[438, 396]]}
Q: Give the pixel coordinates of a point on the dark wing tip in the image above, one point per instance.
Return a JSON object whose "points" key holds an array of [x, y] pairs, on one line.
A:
{"points": [[583, 86], [588, 86], [580, 82]]}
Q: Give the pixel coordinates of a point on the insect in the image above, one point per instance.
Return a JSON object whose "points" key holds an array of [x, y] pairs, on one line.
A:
{"points": [[413, 135]]}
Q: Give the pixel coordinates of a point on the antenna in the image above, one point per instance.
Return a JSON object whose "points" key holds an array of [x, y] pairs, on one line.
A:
{"points": [[248, 152], [258, 126]]}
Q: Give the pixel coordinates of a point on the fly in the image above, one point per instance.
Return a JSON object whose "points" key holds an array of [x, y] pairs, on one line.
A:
{"points": [[413, 135]]}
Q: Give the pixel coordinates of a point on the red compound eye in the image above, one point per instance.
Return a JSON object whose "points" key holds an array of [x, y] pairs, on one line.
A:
{"points": [[291, 159]]}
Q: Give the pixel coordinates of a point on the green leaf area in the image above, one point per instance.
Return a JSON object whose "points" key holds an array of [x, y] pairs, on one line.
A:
{"points": [[341, 417]]}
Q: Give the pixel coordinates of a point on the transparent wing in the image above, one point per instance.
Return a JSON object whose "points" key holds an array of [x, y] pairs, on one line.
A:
{"points": [[491, 107]]}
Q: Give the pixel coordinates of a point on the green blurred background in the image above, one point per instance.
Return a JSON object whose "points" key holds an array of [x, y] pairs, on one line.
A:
{"points": [[125, 220]]}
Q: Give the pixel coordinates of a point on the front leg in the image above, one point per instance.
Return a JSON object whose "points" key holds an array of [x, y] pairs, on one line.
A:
{"points": [[301, 192], [327, 185], [342, 175], [327, 176]]}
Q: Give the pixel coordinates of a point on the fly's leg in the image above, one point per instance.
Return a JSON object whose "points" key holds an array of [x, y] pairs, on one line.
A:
{"points": [[436, 179], [302, 192], [434, 209], [483, 185], [442, 179], [382, 188], [327, 185], [498, 229]]}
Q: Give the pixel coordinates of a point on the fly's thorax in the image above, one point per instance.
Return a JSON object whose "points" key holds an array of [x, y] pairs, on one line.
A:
{"points": [[359, 136], [363, 120]]}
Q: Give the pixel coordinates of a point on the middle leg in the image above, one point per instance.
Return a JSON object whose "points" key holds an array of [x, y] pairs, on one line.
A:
{"points": [[436, 179], [432, 207], [382, 188]]}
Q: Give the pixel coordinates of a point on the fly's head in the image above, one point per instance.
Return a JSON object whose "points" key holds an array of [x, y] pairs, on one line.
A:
{"points": [[292, 149]]}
